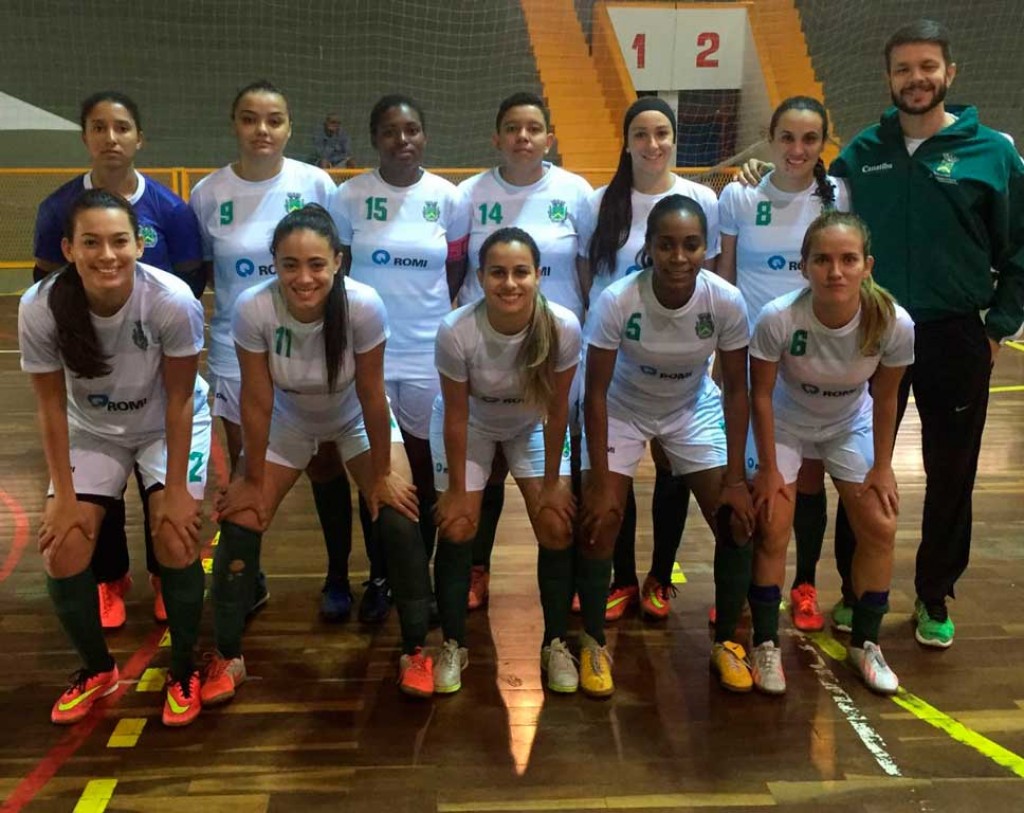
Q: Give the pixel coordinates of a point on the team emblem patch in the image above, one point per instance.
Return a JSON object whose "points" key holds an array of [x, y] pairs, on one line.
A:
{"points": [[148, 235], [558, 211], [705, 326], [293, 202], [945, 166], [139, 336], [431, 211]]}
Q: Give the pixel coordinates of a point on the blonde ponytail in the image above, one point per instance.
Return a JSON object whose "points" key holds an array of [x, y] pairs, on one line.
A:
{"points": [[538, 355], [877, 311]]}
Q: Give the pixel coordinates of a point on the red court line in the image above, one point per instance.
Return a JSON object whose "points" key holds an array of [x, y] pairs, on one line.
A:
{"points": [[48, 766], [19, 538]]}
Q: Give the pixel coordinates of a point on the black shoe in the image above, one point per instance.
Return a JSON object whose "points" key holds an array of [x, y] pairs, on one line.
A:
{"points": [[376, 602], [336, 600], [260, 595]]}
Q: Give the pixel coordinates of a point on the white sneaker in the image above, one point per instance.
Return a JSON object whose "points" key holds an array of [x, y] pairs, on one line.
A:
{"points": [[766, 668], [560, 665], [871, 665], [448, 666]]}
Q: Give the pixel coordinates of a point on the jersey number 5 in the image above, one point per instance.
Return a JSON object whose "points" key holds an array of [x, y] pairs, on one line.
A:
{"points": [[633, 327]]}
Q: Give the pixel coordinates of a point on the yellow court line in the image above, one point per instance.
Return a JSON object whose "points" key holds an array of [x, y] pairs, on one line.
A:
{"points": [[152, 680], [165, 639], [127, 732], [96, 796], [678, 577], [645, 802], [1016, 346], [1008, 388]]}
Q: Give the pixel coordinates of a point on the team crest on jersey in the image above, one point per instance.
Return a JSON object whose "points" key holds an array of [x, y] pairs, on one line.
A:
{"points": [[431, 211], [293, 202], [705, 326], [139, 336], [946, 165], [558, 211], [148, 235]]}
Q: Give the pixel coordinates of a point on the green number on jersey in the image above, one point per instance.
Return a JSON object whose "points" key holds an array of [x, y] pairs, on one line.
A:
{"points": [[283, 346], [493, 214], [196, 459], [633, 327], [764, 213], [798, 346], [227, 212], [376, 208]]}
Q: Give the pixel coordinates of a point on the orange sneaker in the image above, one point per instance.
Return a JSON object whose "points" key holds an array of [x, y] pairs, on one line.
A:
{"points": [[112, 615], [183, 701], [223, 676], [84, 690], [159, 610], [479, 587], [575, 607], [655, 597], [803, 604], [619, 599], [416, 674]]}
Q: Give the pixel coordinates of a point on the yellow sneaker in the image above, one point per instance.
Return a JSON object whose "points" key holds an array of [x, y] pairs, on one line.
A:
{"points": [[729, 662], [595, 668]]}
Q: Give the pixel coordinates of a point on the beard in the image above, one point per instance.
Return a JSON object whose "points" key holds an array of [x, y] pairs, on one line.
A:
{"points": [[938, 97]]}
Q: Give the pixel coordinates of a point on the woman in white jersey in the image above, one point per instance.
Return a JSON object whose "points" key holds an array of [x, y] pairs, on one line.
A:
{"points": [[811, 357], [311, 350], [112, 346], [506, 365], [762, 229], [643, 177], [552, 206], [238, 207], [405, 235], [650, 339]]}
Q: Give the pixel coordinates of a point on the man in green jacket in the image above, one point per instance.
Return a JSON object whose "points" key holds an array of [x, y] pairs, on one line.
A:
{"points": [[944, 199]]}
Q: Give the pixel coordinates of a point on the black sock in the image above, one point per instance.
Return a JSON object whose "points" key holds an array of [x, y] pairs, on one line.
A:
{"points": [[375, 553], [183, 596], [452, 566], [409, 576], [592, 585], [810, 516], [669, 507], [867, 618], [734, 560], [555, 580], [428, 530], [234, 579], [152, 563], [333, 501], [624, 557], [78, 609], [845, 546], [764, 612], [110, 557], [490, 512]]}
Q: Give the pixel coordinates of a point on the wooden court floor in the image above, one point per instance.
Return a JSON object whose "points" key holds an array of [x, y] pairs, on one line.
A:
{"points": [[321, 725]]}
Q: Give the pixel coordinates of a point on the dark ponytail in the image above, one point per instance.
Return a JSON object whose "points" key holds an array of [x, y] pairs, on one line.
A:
{"points": [[614, 219], [77, 342], [824, 189], [315, 218]]}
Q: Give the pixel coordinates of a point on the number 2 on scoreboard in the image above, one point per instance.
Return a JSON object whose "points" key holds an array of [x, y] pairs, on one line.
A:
{"points": [[710, 42]]}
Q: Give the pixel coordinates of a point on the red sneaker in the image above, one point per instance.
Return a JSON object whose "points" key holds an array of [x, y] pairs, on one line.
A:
{"points": [[223, 676], [112, 614], [159, 610], [416, 674], [183, 701], [655, 597], [575, 603], [84, 690], [619, 599], [803, 604], [479, 587]]}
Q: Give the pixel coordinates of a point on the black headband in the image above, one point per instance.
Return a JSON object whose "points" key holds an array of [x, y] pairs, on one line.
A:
{"points": [[644, 104]]}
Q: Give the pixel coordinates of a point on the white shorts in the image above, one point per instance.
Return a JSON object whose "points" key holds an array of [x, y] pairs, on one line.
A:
{"points": [[524, 453], [847, 456], [412, 401], [227, 397], [693, 438], [291, 447], [101, 467]]}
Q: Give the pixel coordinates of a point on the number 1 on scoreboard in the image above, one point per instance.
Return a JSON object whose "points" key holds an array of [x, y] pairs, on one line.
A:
{"points": [[640, 46]]}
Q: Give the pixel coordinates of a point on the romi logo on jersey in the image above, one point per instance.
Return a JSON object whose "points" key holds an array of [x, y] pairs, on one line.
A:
{"points": [[245, 267], [104, 402], [383, 257], [777, 262]]}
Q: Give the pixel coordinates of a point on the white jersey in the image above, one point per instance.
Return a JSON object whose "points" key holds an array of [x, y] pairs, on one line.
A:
{"points": [[554, 211], [625, 259], [822, 383], [295, 352], [769, 227], [469, 349], [664, 355], [161, 318], [237, 220], [399, 238]]}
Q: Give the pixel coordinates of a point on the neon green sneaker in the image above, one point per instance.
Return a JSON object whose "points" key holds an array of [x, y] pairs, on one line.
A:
{"points": [[931, 628]]}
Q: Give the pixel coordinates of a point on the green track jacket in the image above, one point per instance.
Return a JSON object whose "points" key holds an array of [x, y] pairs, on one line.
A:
{"points": [[943, 217]]}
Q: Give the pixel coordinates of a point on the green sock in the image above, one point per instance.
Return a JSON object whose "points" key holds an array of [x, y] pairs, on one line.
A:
{"points": [[810, 516], [234, 580], [592, 577], [452, 565], [78, 608], [408, 575], [764, 612], [867, 618], [487, 528], [333, 501], [183, 595], [554, 577], [733, 567]]}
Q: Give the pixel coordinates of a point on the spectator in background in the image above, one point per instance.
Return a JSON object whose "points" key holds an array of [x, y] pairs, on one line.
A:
{"points": [[332, 146]]}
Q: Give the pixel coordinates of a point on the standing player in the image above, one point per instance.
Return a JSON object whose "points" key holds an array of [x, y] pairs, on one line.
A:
{"points": [[551, 205], [404, 232], [811, 357], [112, 346], [650, 339], [112, 133], [619, 214], [311, 351], [762, 230], [506, 365], [238, 207]]}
